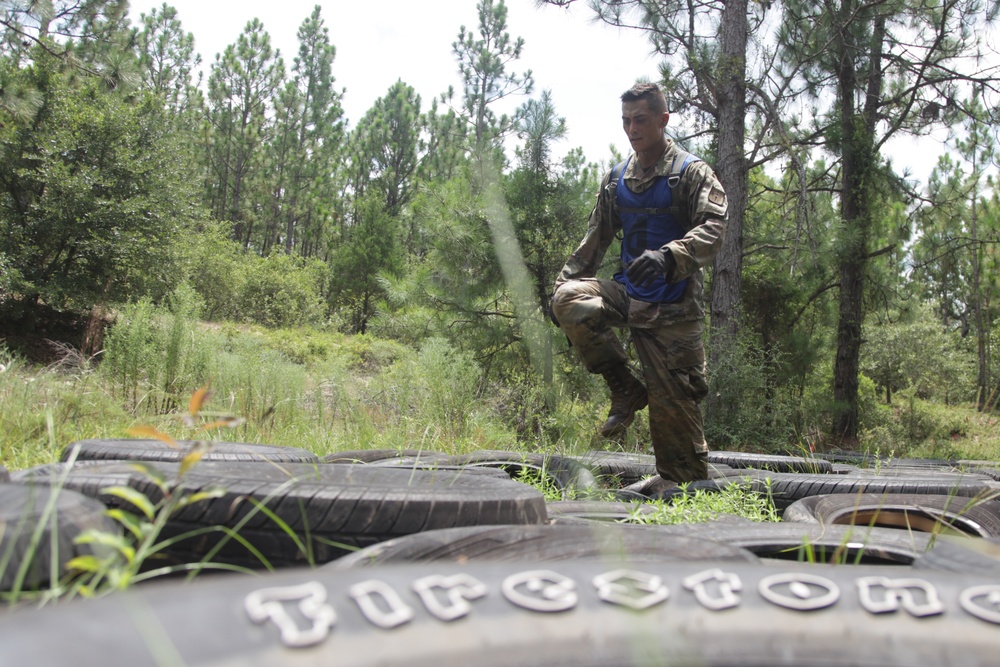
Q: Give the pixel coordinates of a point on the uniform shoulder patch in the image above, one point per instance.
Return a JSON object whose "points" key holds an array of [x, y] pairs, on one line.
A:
{"points": [[717, 196]]}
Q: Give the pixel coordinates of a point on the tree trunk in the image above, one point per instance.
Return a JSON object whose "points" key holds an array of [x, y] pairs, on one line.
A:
{"points": [[845, 373], [857, 178], [982, 335], [727, 275]]}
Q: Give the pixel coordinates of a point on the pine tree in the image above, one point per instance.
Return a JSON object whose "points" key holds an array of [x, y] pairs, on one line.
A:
{"points": [[241, 86]]}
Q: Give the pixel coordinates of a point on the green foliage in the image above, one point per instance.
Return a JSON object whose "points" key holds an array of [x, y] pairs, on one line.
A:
{"points": [[441, 384], [544, 483], [262, 385], [702, 506], [241, 86], [922, 355], [215, 266], [303, 170], [153, 357], [751, 410], [482, 64], [370, 251], [281, 290], [277, 290], [95, 204]]}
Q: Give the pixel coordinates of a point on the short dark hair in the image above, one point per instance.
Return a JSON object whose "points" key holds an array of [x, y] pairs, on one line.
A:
{"points": [[647, 91]]}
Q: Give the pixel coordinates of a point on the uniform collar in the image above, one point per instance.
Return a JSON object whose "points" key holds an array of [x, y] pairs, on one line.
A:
{"points": [[634, 173]]}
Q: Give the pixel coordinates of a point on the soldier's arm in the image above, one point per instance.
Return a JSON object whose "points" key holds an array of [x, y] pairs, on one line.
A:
{"points": [[707, 208], [601, 229]]}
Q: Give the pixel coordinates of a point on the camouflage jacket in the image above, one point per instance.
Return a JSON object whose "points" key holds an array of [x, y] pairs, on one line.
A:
{"points": [[703, 214]]}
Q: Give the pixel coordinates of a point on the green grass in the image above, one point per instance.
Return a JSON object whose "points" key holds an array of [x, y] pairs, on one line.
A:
{"points": [[328, 392], [702, 506]]}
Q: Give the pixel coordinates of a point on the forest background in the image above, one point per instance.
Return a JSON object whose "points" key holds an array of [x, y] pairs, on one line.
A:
{"points": [[384, 283]]}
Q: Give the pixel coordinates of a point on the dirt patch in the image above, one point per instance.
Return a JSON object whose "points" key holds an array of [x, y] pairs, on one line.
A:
{"points": [[42, 334]]}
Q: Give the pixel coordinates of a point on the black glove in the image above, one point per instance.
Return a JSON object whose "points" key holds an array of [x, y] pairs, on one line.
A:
{"points": [[651, 264]]}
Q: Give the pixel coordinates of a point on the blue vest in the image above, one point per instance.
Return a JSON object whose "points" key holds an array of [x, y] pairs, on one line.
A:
{"points": [[650, 220]]}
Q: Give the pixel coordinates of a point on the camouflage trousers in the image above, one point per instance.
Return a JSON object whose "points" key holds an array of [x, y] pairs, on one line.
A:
{"points": [[673, 366]]}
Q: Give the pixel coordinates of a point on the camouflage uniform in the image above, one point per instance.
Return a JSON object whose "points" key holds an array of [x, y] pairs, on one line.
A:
{"points": [[667, 336]]}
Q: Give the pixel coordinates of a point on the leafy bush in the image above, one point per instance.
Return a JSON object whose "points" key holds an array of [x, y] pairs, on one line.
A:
{"points": [[153, 356], [920, 355], [746, 406], [278, 290], [216, 267], [282, 291]]}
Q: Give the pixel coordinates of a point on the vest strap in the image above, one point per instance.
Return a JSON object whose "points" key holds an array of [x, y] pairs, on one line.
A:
{"points": [[670, 210]]}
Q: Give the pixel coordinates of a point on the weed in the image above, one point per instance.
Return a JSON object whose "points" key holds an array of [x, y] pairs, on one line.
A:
{"points": [[700, 506], [537, 478]]}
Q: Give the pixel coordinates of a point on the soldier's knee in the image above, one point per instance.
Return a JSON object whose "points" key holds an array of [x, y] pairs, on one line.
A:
{"points": [[574, 301]]}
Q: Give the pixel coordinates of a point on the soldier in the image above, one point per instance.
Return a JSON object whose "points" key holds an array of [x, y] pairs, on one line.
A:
{"points": [[671, 210]]}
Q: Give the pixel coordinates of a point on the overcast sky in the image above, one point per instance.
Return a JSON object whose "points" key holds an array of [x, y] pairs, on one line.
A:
{"points": [[586, 65]]}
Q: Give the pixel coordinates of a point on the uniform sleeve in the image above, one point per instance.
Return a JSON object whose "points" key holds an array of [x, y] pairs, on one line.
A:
{"points": [[601, 230], [708, 210]]}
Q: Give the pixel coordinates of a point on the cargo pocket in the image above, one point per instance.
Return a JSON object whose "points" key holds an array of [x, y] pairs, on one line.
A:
{"points": [[691, 381]]}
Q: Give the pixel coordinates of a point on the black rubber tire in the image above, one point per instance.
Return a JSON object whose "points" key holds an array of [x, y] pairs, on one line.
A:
{"points": [[571, 477], [621, 469], [770, 462], [371, 455], [812, 542], [156, 450], [962, 554], [597, 510], [918, 473], [795, 615], [332, 508], [25, 509], [925, 513], [785, 488], [853, 458], [618, 469], [414, 464], [543, 543]]}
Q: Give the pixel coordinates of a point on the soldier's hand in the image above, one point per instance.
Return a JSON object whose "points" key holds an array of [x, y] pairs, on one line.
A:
{"points": [[651, 264]]}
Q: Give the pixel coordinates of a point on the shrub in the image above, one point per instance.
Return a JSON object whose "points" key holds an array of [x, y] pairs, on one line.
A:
{"points": [[746, 405], [282, 291]]}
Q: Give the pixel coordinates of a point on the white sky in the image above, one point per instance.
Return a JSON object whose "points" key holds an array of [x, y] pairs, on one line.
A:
{"points": [[586, 65]]}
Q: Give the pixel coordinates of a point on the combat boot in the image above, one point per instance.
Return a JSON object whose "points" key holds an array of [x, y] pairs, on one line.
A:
{"points": [[628, 396]]}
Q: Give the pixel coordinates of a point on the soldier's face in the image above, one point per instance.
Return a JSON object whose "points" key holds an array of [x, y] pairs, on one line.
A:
{"points": [[643, 126]]}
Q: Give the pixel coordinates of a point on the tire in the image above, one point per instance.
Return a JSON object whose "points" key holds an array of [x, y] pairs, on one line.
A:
{"points": [[4, 474], [814, 543], [571, 477], [618, 469], [596, 510], [962, 554], [621, 469], [332, 509], [542, 543], [370, 455], [155, 450], [918, 473], [925, 513], [853, 458], [580, 614], [59, 517], [770, 462], [785, 488]]}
